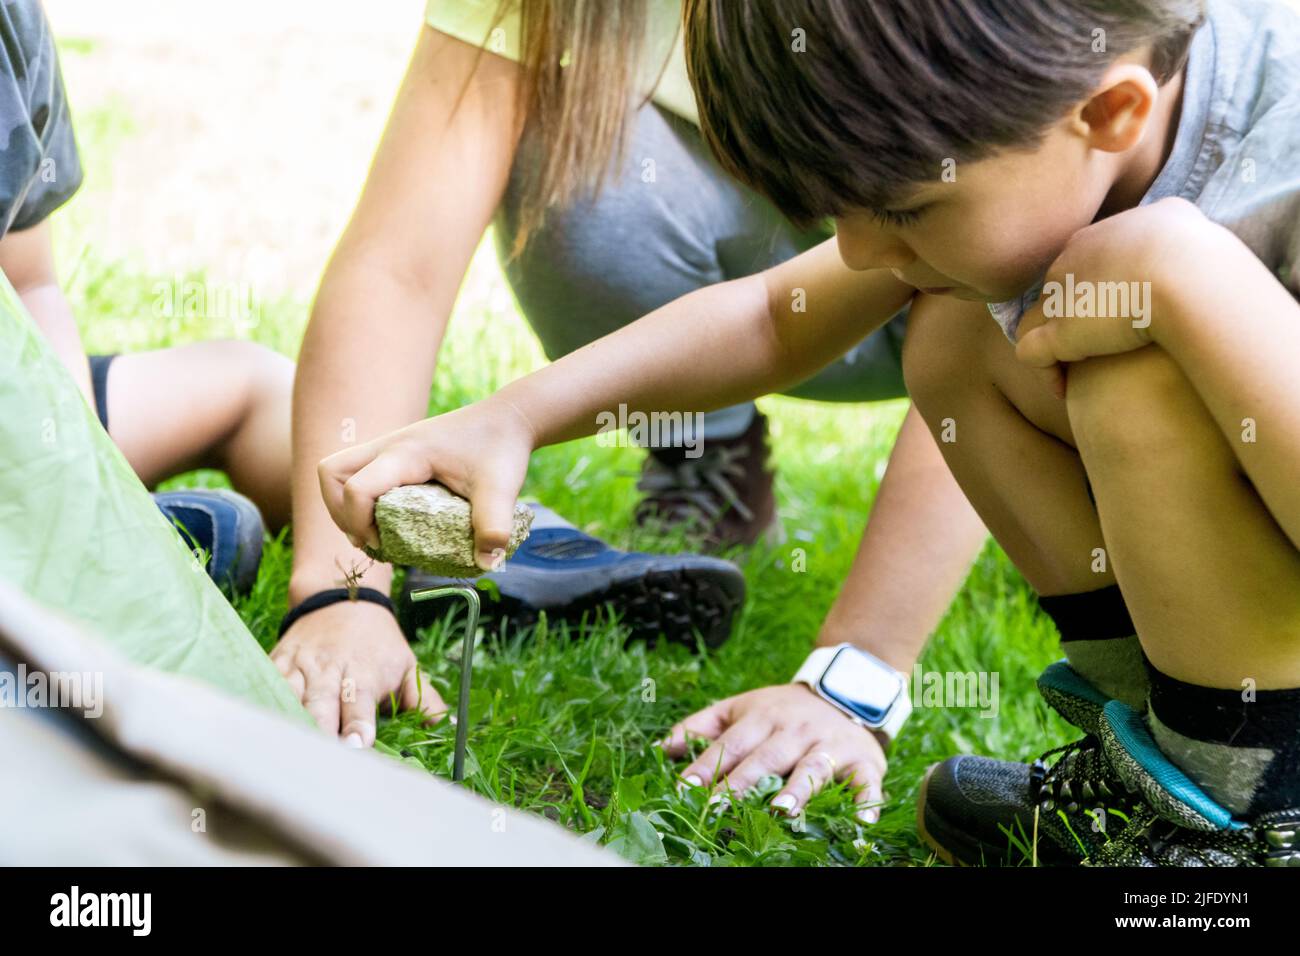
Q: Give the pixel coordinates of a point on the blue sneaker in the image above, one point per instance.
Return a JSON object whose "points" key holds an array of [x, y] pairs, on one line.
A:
{"points": [[569, 575], [225, 526]]}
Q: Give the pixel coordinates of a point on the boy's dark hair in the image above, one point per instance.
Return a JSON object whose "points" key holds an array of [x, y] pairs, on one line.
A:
{"points": [[885, 90]]}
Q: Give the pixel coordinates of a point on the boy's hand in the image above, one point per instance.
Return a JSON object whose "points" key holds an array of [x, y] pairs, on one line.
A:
{"points": [[1103, 290], [479, 452], [344, 660], [786, 730]]}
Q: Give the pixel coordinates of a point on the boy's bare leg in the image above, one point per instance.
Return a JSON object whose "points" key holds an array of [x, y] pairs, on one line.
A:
{"points": [[1211, 580], [222, 404], [1007, 441]]}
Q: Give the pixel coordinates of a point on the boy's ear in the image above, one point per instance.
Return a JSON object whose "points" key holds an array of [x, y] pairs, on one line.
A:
{"points": [[1117, 114]]}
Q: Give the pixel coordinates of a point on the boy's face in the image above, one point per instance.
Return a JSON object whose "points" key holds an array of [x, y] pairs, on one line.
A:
{"points": [[988, 230]]}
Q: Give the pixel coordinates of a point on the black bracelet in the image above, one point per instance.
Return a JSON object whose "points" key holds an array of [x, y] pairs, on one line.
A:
{"points": [[334, 596]]}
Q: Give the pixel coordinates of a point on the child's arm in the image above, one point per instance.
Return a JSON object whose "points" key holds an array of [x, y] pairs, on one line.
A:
{"points": [[27, 260], [715, 347], [718, 346]]}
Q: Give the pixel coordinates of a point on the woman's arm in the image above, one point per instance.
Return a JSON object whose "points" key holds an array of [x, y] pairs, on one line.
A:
{"points": [[369, 353]]}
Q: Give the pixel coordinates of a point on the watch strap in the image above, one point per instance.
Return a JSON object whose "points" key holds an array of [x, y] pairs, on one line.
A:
{"points": [[811, 670]]}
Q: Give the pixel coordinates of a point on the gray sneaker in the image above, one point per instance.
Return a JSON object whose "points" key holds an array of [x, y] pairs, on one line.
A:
{"points": [[978, 811]]}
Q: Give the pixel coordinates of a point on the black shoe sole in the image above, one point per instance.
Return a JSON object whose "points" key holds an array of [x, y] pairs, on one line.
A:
{"points": [[674, 605]]}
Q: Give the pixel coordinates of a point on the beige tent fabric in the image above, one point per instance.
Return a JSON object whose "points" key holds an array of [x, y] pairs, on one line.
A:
{"points": [[175, 772], [67, 801]]}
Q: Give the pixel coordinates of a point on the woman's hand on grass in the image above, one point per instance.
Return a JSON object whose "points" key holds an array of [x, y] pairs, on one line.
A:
{"points": [[480, 452], [344, 660], [785, 730]]}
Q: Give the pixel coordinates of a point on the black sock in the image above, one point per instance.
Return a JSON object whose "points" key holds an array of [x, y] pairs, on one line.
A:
{"points": [[1243, 752], [1100, 642]]}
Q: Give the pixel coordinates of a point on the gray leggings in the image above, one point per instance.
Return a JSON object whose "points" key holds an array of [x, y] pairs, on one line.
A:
{"points": [[671, 222]]}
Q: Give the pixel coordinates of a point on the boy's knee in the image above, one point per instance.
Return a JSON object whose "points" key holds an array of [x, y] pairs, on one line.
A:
{"points": [[274, 371], [1133, 408], [264, 370], [252, 376]]}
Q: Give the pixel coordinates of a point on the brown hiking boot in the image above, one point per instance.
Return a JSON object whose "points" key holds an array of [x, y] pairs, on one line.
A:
{"points": [[724, 496]]}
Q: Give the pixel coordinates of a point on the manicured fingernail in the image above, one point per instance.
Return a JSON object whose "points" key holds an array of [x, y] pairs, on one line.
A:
{"points": [[354, 741], [869, 815], [687, 782], [785, 802], [491, 560]]}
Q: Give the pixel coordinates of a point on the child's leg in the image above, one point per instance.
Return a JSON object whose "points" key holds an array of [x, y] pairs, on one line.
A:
{"points": [[1007, 441], [1212, 580], [221, 405], [1213, 583]]}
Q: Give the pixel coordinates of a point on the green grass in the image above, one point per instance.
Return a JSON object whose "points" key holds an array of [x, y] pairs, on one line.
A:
{"points": [[562, 723]]}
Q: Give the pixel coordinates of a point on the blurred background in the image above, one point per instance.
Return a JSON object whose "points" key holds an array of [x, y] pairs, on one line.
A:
{"points": [[225, 145], [229, 137]]}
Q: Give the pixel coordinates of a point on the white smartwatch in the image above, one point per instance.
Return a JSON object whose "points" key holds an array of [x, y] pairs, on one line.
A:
{"points": [[865, 688]]}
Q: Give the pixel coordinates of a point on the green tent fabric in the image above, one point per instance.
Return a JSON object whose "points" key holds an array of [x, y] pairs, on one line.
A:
{"points": [[79, 532]]}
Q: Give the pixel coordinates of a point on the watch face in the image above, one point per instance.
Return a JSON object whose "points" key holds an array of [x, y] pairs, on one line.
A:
{"points": [[861, 686]]}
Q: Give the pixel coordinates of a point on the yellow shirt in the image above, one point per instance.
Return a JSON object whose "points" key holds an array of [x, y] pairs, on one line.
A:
{"points": [[469, 20]]}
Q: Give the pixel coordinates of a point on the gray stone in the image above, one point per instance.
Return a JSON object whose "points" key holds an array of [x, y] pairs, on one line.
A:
{"points": [[428, 527]]}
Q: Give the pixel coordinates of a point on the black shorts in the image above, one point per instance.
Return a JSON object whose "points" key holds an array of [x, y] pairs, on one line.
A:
{"points": [[99, 382]]}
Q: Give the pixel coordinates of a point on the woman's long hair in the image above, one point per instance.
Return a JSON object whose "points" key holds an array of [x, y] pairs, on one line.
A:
{"points": [[581, 64]]}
